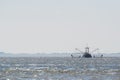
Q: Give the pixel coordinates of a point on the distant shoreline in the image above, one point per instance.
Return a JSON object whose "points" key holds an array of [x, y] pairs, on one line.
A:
{"points": [[3, 54]]}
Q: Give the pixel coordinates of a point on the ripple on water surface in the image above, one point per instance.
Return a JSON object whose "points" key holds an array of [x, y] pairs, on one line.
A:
{"points": [[59, 68]]}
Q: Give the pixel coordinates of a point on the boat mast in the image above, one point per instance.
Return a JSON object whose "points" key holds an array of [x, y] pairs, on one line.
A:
{"points": [[86, 49]]}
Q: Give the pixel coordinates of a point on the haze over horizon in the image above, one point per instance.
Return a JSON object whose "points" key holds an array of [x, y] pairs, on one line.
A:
{"points": [[33, 26]]}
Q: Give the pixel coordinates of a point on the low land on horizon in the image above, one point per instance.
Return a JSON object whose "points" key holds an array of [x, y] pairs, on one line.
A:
{"points": [[3, 54]]}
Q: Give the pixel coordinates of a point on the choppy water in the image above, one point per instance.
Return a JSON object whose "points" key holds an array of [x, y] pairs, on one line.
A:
{"points": [[35, 68]]}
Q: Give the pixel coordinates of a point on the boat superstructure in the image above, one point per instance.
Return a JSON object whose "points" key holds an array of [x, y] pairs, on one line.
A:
{"points": [[87, 54]]}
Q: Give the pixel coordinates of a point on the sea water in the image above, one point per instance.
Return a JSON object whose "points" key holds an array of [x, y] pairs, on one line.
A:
{"points": [[59, 68]]}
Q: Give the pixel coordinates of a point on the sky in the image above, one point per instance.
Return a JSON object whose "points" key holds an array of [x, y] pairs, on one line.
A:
{"points": [[45, 26]]}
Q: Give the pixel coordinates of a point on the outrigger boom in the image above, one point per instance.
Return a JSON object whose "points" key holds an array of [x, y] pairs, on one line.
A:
{"points": [[87, 53]]}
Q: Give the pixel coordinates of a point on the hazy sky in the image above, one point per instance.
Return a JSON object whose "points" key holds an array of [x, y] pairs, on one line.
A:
{"points": [[59, 25]]}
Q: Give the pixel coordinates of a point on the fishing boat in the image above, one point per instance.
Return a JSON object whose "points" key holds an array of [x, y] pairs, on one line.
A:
{"points": [[86, 53]]}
